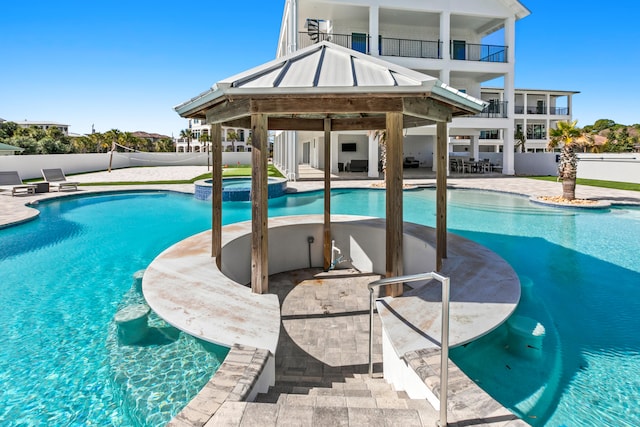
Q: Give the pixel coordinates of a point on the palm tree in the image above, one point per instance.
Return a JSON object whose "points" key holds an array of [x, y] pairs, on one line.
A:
{"points": [[205, 139], [187, 134], [566, 133], [521, 140], [233, 137]]}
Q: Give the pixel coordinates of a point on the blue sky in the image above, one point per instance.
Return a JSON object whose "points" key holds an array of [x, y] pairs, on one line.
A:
{"points": [[126, 64]]}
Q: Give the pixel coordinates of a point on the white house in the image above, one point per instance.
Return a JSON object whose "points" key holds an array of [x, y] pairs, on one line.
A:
{"points": [[241, 142], [44, 125], [465, 44]]}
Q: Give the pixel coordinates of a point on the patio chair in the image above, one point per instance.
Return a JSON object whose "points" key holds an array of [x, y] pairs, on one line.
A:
{"points": [[10, 180], [486, 165], [56, 179], [466, 166]]}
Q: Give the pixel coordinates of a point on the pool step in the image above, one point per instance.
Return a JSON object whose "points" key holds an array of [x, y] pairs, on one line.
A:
{"points": [[355, 400]]}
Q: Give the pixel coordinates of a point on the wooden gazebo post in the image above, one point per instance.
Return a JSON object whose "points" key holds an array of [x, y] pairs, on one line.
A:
{"points": [[216, 193], [327, 247], [394, 201], [441, 193], [259, 205]]}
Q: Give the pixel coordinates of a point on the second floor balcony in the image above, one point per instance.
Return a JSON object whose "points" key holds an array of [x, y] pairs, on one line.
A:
{"points": [[494, 110], [408, 48], [541, 109]]}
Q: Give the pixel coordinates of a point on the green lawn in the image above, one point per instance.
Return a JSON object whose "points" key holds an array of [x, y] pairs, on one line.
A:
{"points": [[595, 183]]}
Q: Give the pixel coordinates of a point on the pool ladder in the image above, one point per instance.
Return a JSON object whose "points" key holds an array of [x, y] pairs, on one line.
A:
{"points": [[444, 340]]}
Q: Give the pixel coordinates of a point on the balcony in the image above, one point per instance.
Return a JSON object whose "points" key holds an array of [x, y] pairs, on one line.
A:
{"points": [[407, 48], [536, 109], [410, 48], [358, 42], [460, 50], [559, 111], [495, 110]]}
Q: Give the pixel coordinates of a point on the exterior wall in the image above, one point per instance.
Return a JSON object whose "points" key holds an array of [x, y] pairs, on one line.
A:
{"points": [[540, 164], [29, 166], [621, 167]]}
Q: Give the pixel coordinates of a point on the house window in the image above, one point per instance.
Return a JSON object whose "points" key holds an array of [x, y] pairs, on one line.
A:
{"points": [[536, 131]]}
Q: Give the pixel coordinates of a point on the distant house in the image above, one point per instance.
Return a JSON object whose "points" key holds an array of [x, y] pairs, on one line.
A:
{"points": [[44, 125], [9, 150], [151, 137], [232, 138]]}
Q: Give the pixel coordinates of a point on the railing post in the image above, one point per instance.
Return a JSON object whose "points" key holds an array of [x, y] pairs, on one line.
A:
{"points": [[444, 339]]}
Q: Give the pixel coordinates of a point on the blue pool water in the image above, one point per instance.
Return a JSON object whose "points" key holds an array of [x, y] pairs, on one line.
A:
{"points": [[64, 275]]}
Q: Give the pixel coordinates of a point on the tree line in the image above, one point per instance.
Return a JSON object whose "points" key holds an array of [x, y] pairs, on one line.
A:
{"points": [[35, 140], [619, 138]]}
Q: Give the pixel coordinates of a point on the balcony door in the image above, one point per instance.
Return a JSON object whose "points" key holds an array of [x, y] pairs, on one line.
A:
{"points": [[359, 42], [459, 49]]}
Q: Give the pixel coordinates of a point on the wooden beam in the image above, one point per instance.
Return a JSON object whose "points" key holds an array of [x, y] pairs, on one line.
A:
{"points": [[426, 108], [337, 124], [243, 123], [327, 247], [441, 193], [394, 222], [216, 193], [228, 110], [259, 205], [295, 123], [330, 105]]}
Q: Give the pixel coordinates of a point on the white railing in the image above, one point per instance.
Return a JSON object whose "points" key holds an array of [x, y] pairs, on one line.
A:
{"points": [[444, 340]]}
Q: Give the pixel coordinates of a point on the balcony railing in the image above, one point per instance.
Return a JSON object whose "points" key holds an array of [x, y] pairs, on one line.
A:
{"points": [[494, 110], [536, 135], [478, 52], [559, 111], [359, 42], [490, 134], [410, 48], [536, 109]]}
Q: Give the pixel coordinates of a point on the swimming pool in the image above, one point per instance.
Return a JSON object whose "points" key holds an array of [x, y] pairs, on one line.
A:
{"points": [[587, 300]]}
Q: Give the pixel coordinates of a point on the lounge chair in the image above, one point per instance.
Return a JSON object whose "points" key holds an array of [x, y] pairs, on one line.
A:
{"points": [[56, 179], [10, 180]]}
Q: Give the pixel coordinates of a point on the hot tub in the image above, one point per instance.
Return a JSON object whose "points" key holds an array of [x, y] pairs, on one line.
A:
{"points": [[238, 189]]}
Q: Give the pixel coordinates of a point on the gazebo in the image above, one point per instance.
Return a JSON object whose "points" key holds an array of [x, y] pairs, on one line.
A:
{"points": [[326, 88]]}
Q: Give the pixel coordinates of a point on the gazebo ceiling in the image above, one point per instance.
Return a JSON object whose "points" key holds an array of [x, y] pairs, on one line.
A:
{"points": [[300, 90]]}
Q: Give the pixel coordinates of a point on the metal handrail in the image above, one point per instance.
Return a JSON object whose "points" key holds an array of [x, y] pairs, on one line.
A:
{"points": [[444, 340]]}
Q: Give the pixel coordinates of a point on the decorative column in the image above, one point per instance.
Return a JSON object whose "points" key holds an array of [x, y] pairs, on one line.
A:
{"points": [[374, 32], [373, 156], [509, 94]]}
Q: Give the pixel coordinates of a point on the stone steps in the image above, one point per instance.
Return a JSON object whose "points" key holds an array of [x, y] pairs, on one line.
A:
{"points": [[357, 400]]}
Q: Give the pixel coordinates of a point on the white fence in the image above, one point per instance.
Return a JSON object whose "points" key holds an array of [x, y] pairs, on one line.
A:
{"points": [[28, 166], [621, 167]]}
